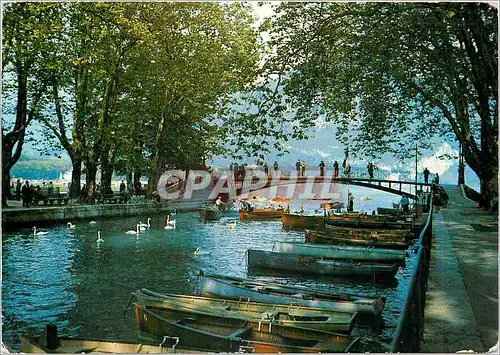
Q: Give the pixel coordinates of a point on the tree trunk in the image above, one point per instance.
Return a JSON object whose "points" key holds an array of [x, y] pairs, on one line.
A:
{"points": [[5, 182], [90, 181], [76, 174], [106, 173], [489, 186]]}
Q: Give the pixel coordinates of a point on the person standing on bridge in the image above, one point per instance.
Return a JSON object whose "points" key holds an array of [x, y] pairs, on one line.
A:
{"points": [[322, 168], [266, 169], [276, 167], [436, 179], [336, 169], [426, 175], [303, 167], [297, 166]]}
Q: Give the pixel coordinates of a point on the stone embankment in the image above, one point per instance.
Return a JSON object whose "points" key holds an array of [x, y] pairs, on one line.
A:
{"points": [[21, 216]]}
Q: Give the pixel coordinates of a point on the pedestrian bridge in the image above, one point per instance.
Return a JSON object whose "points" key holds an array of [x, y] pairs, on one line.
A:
{"points": [[291, 186]]}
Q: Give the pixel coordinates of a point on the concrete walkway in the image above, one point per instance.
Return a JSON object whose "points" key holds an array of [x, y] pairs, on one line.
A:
{"points": [[462, 300]]}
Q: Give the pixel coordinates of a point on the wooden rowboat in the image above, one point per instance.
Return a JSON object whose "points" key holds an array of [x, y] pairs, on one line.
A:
{"points": [[268, 292], [297, 221], [260, 214], [309, 264], [286, 315], [374, 240], [342, 252], [391, 211], [52, 344], [232, 335], [209, 214], [364, 233]]}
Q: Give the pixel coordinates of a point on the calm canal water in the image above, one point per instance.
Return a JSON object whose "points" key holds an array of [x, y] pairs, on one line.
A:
{"points": [[66, 278]]}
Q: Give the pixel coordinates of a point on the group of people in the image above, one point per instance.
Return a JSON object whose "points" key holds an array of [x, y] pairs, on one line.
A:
{"points": [[426, 177], [300, 166], [28, 192]]}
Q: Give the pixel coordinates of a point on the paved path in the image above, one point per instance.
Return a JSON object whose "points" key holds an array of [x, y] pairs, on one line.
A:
{"points": [[462, 300]]}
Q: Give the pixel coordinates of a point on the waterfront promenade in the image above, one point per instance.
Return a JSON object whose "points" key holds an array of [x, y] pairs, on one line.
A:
{"points": [[461, 310]]}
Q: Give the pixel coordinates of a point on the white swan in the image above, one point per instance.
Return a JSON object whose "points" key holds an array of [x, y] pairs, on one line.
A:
{"points": [[38, 233], [174, 213], [92, 222], [198, 251], [171, 222], [141, 228], [144, 225], [70, 225], [169, 227], [232, 225], [132, 231], [99, 237]]}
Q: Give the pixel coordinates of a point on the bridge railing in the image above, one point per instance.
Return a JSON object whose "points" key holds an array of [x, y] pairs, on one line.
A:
{"points": [[409, 331]]}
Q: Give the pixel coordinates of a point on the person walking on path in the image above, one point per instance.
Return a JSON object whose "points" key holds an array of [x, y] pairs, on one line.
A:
{"points": [[25, 191], [322, 168], [303, 167], [276, 167], [336, 169], [18, 190], [297, 167], [405, 204], [266, 169], [426, 175]]}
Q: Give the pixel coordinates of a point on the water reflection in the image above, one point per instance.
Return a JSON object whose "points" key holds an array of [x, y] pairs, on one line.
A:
{"points": [[65, 277]]}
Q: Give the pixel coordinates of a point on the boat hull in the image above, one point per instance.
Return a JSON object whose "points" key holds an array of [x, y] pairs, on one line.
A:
{"points": [[228, 334], [342, 252], [319, 237], [255, 291], [310, 318], [260, 214], [309, 264], [209, 214], [295, 221]]}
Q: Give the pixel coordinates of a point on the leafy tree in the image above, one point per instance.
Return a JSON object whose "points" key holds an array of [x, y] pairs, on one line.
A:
{"points": [[26, 29], [196, 56], [391, 74]]}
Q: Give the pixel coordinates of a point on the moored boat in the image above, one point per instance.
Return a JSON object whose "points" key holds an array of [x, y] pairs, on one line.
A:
{"points": [[309, 264], [230, 334], [373, 240], [286, 315], [268, 292], [63, 345], [342, 252], [210, 214], [297, 221], [368, 233], [260, 214]]}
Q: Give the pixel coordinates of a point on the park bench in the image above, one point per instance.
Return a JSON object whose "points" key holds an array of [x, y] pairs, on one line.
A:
{"points": [[113, 198], [58, 198]]}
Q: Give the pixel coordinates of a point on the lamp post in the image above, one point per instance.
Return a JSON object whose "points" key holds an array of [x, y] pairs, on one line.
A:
{"points": [[461, 165]]}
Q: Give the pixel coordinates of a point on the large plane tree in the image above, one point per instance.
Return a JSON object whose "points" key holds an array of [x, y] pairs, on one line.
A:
{"points": [[396, 73]]}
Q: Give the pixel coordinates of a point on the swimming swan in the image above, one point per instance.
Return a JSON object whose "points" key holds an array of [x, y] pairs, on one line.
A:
{"points": [[38, 233], [70, 225], [171, 222], [99, 237], [92, 222], [132, 231], [232, 225], [169, 227], [144, 225], [198, 251]]}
